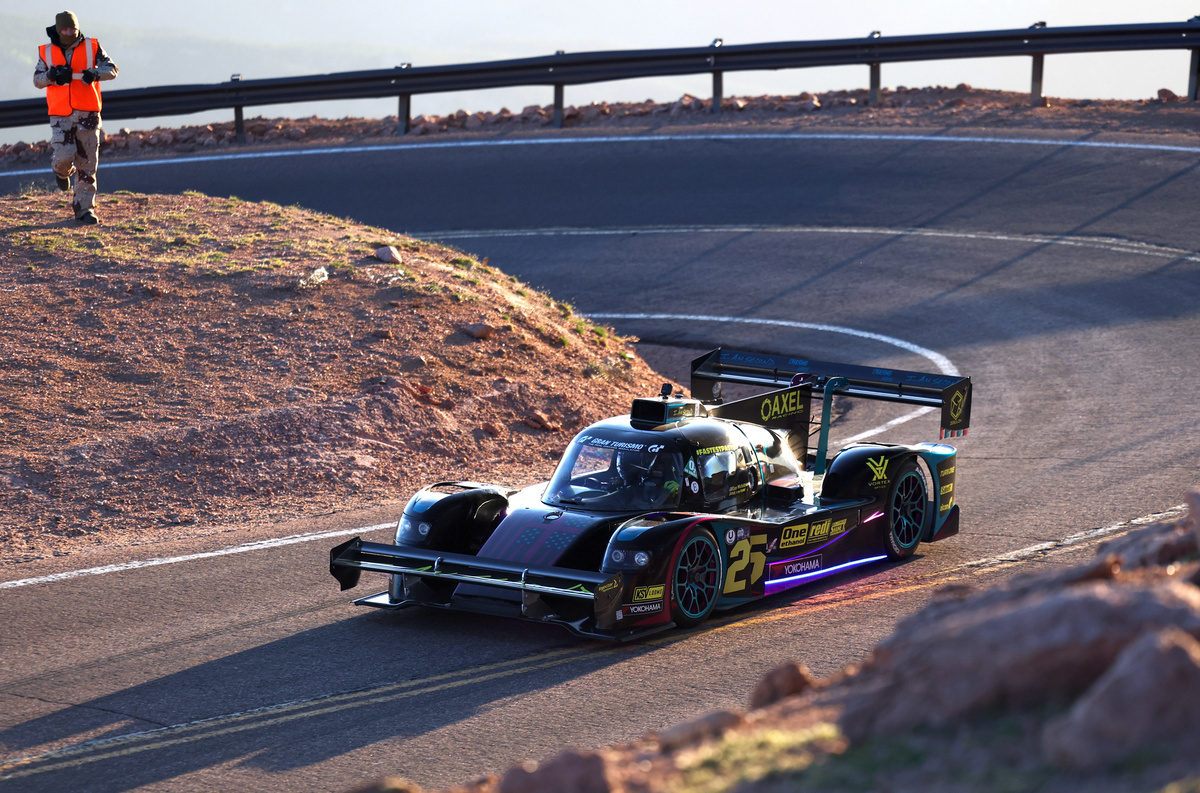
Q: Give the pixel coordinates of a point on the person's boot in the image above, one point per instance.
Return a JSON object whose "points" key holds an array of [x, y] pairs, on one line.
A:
{"points": [[87, 217], [64, 183]]}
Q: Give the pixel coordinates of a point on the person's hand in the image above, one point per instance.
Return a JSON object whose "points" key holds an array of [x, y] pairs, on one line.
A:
{"points": [[90, 76], [60, 75]]}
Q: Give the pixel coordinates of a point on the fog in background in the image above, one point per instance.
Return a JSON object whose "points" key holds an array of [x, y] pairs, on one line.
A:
{"points": [[161, 43]]}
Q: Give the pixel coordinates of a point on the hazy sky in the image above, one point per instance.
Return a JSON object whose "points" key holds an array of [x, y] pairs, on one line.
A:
{"points": [[307, 37]]}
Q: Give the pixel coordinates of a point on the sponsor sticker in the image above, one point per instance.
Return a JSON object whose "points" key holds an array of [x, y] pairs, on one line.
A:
{"points": [[648, 593], [957, 403], [947, 488], [795, 567], [730, 537], [644, 608], [794, 535], [838, 528], [714, 449], [607, 586], [592, 440], [779, 406], [809, 565], [879, 471], [820, 530]]}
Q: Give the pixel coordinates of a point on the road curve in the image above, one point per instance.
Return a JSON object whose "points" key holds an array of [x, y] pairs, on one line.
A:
{"points": [[1063, 279]]}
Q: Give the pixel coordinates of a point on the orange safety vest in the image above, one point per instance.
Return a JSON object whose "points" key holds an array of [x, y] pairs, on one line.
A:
{"points": [[63, 100]]}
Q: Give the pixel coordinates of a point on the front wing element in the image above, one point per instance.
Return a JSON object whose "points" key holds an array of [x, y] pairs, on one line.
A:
{"points": [[348, 560]]}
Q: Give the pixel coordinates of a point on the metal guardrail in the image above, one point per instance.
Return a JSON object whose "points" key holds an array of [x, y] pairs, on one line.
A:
{"points": [[561, 69]]}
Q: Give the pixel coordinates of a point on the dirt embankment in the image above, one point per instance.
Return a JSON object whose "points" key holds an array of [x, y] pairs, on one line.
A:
{"points": [[193, 362]]}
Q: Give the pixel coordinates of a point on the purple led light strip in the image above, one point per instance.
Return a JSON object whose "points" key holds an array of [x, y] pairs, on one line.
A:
{"points": [[783, 582]]}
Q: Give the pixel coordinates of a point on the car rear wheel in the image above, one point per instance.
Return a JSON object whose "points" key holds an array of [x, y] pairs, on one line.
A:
{"points": [[907, 511], [695, 578]]}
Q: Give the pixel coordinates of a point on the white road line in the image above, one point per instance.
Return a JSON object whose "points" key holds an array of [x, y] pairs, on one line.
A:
{"points": [[564, 141], [257, 545], [1114, 245], [940, 361], [936, 358], [1075, 539]]}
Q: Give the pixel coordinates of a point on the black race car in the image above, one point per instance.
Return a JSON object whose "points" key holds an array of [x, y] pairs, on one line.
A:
{"points": [[685, 505]]}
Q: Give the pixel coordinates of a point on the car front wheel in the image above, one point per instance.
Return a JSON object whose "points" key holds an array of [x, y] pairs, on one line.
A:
{"points": [[695, 578]]}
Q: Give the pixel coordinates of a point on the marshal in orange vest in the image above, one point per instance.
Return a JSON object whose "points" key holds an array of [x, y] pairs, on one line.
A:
{"points": [[63, 100]]}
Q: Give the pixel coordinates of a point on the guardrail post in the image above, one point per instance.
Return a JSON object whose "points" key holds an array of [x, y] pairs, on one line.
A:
{"points": [[1035, 90], [1194, 76], [558, 105], [718, 90], [875, 98], [404, 115], [239, 123]]}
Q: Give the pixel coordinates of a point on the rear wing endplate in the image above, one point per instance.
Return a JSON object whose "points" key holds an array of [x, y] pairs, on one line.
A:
{"points": [[950, 393]]}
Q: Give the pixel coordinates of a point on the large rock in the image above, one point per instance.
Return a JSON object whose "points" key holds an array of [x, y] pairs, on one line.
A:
{"points": [[1155, 545], [1151, 693], [1044, 645], [779, 683], [569, 772]]}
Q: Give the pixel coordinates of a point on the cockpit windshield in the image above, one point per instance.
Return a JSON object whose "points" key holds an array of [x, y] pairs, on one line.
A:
{"points": [[612, 476]]}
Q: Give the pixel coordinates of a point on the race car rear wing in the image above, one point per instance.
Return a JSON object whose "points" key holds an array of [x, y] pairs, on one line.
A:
{"points": [[950, 393], [348, 560]]}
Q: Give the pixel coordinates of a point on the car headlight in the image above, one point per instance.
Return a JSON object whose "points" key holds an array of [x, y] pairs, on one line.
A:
{"points": [[629, 559], [411, 529]]}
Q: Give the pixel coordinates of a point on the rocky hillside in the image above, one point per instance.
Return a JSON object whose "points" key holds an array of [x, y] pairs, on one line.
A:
{"points": [[194, 362]]}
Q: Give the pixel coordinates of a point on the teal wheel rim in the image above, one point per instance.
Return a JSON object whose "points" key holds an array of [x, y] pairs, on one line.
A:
{"points": [[909, 505], [696, 575]]}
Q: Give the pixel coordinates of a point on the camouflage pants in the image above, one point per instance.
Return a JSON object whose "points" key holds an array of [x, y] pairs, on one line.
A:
{"points": [[75, 150]]}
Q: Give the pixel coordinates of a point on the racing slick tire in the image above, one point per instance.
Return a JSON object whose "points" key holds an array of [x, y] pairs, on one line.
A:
{"points": [[696, 577], [907, 511]]}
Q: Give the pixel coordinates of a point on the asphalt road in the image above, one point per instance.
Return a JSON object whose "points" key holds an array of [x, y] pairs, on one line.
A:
{"points": [[1062, 279]]}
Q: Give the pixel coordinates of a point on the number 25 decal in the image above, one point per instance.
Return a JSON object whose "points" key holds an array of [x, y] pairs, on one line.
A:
{"points": [[742, 556]]}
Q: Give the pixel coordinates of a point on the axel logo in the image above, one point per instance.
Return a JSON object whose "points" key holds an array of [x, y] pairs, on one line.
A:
{"points": [[957, 403], [878, 468], [782, 405]]}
